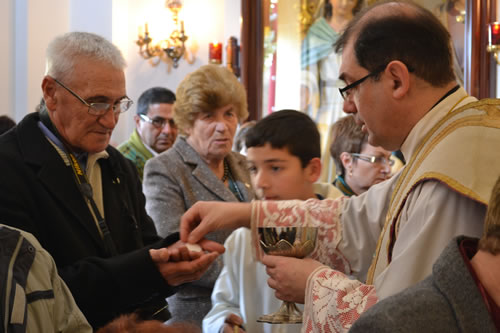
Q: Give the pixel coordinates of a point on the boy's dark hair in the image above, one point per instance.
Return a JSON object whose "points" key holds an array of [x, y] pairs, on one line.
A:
{"points": [[289, 129], [155, 95]]}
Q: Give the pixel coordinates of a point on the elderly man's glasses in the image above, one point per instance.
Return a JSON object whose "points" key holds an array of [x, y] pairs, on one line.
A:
{"points": [[373, 159], [159, 122], [99, 109]]}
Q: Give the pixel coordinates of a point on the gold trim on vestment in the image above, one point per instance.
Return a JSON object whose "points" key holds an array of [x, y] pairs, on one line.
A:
{"points": [[424, 149]]}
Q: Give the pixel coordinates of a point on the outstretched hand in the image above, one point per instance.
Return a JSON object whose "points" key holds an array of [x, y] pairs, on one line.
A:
{"points": [[288, 276], [178, 265], [207, 216]]}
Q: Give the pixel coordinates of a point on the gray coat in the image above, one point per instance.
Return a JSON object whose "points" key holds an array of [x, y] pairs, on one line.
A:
{"points": [[173, 182], [446, 301]]}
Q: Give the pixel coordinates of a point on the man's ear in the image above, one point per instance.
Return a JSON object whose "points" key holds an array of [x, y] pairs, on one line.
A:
{"points": [[313, 169], [49, 92], [137, 120], [399, 77], [346, 160]]}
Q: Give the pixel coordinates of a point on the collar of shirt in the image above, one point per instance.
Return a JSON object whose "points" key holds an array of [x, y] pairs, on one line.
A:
{"points": [[81, 157], [427, 122]]}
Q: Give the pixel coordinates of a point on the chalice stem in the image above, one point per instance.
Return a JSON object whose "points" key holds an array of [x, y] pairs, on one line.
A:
{"points": [[288, 313]]}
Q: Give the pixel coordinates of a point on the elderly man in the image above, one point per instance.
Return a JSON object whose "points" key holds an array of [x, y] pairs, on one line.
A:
{"points": [[403, 92], [155, 130], [81, 198]]}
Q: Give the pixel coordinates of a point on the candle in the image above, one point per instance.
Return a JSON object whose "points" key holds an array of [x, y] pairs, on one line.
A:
{"points": [[146, 28], [494, 33], [215, 53]]}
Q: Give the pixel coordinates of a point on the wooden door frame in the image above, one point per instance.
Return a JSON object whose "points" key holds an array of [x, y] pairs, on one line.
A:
{"points": [[480, 67]]}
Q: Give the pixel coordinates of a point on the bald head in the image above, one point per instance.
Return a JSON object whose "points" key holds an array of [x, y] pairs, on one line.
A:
{"points": [[401, 31]]}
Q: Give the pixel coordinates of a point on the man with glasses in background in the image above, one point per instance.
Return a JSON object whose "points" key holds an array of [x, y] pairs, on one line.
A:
{"points": [[82, 200], [155, 129]]}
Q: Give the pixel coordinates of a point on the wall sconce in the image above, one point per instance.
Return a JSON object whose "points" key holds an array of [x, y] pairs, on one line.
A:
{"points": [[173, 47], [494, 40]]}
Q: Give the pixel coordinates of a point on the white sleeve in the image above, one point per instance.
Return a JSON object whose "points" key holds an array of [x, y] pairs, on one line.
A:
{"points": [[432, 216], [363, 219], [226, 292]]}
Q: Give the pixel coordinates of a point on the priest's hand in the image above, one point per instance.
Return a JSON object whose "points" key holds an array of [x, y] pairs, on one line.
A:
{"points": [[288, 276], [207, 216]]}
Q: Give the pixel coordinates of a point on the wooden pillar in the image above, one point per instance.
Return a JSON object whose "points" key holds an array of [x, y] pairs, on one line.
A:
{"points": [[252, 52], [480, 67]]}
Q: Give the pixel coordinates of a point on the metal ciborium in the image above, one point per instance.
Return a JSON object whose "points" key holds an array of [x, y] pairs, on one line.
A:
{"points": [[295, 242]]}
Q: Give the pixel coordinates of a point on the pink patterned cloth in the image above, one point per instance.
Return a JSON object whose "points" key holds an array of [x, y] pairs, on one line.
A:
{"points": [[333, 301]]}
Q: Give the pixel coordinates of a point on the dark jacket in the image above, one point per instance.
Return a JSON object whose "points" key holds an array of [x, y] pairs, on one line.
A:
{"points": [[38, 194], [446, 301]]}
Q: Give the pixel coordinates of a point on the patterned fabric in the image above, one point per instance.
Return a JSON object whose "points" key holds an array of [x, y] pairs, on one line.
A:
{"points": [[338, 301], [135, 150]]}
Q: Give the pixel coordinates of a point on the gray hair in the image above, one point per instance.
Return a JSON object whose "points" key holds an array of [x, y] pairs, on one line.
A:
{"points": [[64, 52]]}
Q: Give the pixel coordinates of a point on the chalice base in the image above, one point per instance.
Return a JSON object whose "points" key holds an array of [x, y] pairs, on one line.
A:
{"points": [[287, 314]]}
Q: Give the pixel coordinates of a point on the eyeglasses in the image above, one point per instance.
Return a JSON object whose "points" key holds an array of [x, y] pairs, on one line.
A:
{"points": [[344, 92], [99, 109], [374, 159], [159, 122]]}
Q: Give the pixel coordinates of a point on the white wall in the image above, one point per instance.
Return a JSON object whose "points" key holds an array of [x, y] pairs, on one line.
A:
{"points": [[7, 57], [27, 26]]}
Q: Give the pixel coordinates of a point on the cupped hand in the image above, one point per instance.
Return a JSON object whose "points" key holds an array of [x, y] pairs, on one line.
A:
{"points": [[178, 266]]}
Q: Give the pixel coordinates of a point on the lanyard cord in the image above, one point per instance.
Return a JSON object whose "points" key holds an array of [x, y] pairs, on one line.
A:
{"points": [[83, 185], [86, 190]]}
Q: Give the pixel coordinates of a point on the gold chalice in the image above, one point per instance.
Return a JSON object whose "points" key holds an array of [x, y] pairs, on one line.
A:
{"points": [[295, 242]]}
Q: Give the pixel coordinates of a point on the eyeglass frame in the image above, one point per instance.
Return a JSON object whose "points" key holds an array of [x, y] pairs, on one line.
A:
{"points": [[164, 121], [358, 82], [373, 159], [91, 106]]}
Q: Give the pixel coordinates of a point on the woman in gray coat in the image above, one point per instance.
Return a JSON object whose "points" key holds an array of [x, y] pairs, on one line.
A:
{"points": [[199, 166]]}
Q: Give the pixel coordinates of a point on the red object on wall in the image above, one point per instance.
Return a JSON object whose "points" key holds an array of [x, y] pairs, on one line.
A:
{"points": [[215, 53], [494, 33]]}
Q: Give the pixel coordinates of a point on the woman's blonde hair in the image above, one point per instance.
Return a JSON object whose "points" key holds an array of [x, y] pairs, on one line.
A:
{"points": [[490, 241], [208, 88]]}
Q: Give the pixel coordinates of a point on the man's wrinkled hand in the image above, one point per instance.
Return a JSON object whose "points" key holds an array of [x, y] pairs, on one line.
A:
{"points": [[288, 276], [178, 265]]}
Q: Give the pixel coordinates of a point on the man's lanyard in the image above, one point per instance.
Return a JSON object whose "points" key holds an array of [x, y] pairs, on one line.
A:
{"points": [[83, 185], [86, 190]]}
